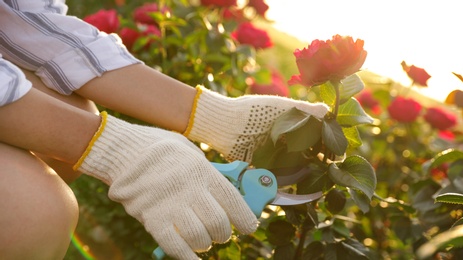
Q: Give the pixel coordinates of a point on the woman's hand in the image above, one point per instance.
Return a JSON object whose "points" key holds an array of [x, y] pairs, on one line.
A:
{"points": [[165, 182]]}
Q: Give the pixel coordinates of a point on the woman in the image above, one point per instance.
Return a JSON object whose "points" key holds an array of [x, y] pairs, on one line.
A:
{"points": [[53, 68]]}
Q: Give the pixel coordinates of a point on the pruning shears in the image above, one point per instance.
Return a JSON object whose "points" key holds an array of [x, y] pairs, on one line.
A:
{"points": [[259, 188]]}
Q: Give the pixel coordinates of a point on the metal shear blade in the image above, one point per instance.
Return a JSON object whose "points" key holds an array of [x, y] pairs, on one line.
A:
{"points": [[286, 199]]}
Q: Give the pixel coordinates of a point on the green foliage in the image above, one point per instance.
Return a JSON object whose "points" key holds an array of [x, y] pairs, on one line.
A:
{"points": [[454, 198], [354, 172]]}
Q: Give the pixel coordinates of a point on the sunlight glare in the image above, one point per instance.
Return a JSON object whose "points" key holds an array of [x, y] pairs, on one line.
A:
{"points": [[421, 33]]}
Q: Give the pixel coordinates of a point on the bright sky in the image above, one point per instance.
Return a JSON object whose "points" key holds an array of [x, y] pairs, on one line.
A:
{"points": [[424, 33]]}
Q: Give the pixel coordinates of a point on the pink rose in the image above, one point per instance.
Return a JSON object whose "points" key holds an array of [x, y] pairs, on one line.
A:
{"points": [[105, 20], [277, 86], [439, 118], [246, 33], [404, 109], [417, 75], [333, 60]]}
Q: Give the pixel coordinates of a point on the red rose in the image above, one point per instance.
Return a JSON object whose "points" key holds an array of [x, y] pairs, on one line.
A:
{"points": [[246, 33], [276, 87], [142, 13], [439, 118], [334, 60], [105, 20], [129, 36], [417, 75], [259, 5], [404, 109], [221, 3], [366, 99], [446, 135]]}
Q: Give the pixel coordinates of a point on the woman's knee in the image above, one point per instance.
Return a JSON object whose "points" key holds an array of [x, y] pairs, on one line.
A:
{"points": [[39, 211]]}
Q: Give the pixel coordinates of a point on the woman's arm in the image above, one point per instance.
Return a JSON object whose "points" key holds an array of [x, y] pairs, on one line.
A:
{"points": [[144, 93], [46, 125]]}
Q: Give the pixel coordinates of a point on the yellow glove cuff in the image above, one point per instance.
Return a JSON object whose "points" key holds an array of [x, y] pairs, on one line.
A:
{"points": [[100, 130], [199, 91]]}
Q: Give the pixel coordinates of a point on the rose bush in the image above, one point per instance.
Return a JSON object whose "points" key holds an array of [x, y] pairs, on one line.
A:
{"points": [[378, 176]]}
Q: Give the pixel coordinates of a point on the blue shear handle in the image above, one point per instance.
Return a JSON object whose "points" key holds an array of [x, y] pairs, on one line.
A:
{"points": [[258, 187]]}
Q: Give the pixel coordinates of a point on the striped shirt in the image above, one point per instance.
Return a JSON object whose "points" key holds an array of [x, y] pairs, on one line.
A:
{"points": [[64, 51]]}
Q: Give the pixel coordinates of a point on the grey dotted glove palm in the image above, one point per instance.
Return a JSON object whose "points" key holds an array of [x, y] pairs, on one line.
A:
{"points": [[236, 127], [166, 183]]}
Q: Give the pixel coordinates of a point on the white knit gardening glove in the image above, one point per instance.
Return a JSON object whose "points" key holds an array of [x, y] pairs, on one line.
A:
{"points": [[166, 183], [236, 127]]}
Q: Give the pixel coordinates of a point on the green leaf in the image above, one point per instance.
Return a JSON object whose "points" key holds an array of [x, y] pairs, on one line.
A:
{"points": [[335, 201], [270, 156], [333, 137], [347, 88], [360, 199], [328, 94], [280, 232], [265, 155], [452, 237], [340, 229], [314, 251], [287, 122], [304, 136], [283, 252], [458, 222], [453, 198], [351, 113], [355, 172], [318, 180], [350, 86], [231, 251], [312, 214], [353, 137], [449, 155], [402, 226], [455, 174], [354, 251]]}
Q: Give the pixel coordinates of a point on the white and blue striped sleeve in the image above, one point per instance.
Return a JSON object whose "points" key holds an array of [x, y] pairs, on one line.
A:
{"points": [[64, 51], [13, 83]]}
